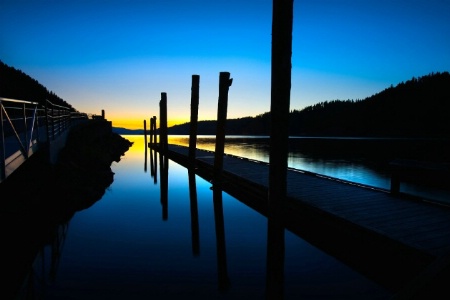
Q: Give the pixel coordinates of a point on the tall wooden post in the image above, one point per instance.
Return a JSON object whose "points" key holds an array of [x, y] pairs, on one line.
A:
{"points": [[145, 133], [224, 84], [163, 122], [145, 145], [194, 118], [282, 17], [150, 133], [153, 128]]}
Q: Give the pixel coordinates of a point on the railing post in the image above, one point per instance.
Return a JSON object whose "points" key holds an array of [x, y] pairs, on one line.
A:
{"points": [[224, 84], [53, 122], [3, 154], [47, 125], [25, 130], [194, 118]]}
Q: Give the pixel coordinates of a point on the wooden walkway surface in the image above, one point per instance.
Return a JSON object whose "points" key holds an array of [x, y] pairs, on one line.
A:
{"points": [[394, 239]]}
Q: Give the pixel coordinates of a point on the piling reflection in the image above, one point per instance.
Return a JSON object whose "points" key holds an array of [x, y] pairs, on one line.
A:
{"points": [[164, 185], [222, 270], [194, 214], [145, 155], [275, 259], [154, 165], [43, 271]]}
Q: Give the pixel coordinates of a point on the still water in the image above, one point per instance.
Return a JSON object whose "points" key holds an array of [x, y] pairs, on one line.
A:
{"points": [[360, 160], [139, 243]]}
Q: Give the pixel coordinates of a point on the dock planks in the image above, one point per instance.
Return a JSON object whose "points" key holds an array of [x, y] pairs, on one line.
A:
{"points": [[392, 238]]}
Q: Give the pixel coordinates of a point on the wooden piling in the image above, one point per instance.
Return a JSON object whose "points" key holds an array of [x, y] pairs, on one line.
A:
{"points": [[145, 133], [163, 122], [145, 146], [150, 133], [194, 117], [282, 18], [224, 84], [153, 139], [280, 96]]}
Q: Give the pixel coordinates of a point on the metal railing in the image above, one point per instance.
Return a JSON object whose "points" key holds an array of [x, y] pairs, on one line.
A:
{"points": [[27, 126], [60, 118]]}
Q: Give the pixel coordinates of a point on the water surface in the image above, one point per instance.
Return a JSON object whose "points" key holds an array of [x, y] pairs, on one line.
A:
{"points": [[143, 242]]}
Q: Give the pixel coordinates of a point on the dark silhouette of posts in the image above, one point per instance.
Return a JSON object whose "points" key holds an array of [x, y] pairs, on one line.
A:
{"points": [[145, 145], [163, 160], [163, 122], [222, 269], [194, 118], [164, 185], [153, 130], [275, 259], [153, 141], [282, 18], [224, 84], [154, 165], [194, 214], [280, 97], [145, 132]]}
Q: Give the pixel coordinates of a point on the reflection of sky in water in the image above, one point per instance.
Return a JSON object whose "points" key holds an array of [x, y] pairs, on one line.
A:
{"points": [[121, 248], [338, 165], [340, 168], [343, 168]]}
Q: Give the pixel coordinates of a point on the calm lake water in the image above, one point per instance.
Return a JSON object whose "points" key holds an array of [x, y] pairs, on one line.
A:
{"points": [[138, 243]]}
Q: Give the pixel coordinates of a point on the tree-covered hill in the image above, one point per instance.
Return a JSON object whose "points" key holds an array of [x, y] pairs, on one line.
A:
{"points": [[419, 107], [15, 84]]}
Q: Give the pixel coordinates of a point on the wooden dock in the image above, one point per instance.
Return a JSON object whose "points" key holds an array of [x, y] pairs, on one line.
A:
{"points": [[401, 242]]}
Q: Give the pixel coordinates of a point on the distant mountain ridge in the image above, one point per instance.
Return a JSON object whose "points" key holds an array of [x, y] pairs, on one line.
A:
{"points": [[419, 107], [125, 131]]}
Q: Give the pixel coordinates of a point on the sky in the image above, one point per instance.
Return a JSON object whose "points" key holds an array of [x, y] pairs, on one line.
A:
{"points": [[119, 56]]}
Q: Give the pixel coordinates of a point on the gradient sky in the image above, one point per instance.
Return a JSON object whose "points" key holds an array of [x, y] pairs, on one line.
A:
{"points": [[121, 55]]}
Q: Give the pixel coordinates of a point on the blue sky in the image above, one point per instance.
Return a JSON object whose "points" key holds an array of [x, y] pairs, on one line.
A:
{"points": [[120, 55]]}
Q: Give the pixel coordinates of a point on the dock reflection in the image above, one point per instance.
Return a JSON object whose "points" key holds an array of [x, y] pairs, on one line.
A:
{"points": [[194, 214], [275, 259], [222, 270], [274, 288], [154, 165], [29, 275], [164, 185]]}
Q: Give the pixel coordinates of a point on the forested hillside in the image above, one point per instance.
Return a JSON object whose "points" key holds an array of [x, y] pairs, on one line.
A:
{"points": [[15, 84], [419, 107]]}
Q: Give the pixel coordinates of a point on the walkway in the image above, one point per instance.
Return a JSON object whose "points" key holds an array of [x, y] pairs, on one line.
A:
{"points": [[391, 238]]}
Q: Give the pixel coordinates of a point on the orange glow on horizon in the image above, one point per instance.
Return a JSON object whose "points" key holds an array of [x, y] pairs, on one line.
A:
{"points": [[139, 124]]}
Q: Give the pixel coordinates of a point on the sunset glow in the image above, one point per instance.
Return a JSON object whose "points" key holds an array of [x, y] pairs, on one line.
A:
{"points": [[119, 56]]}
